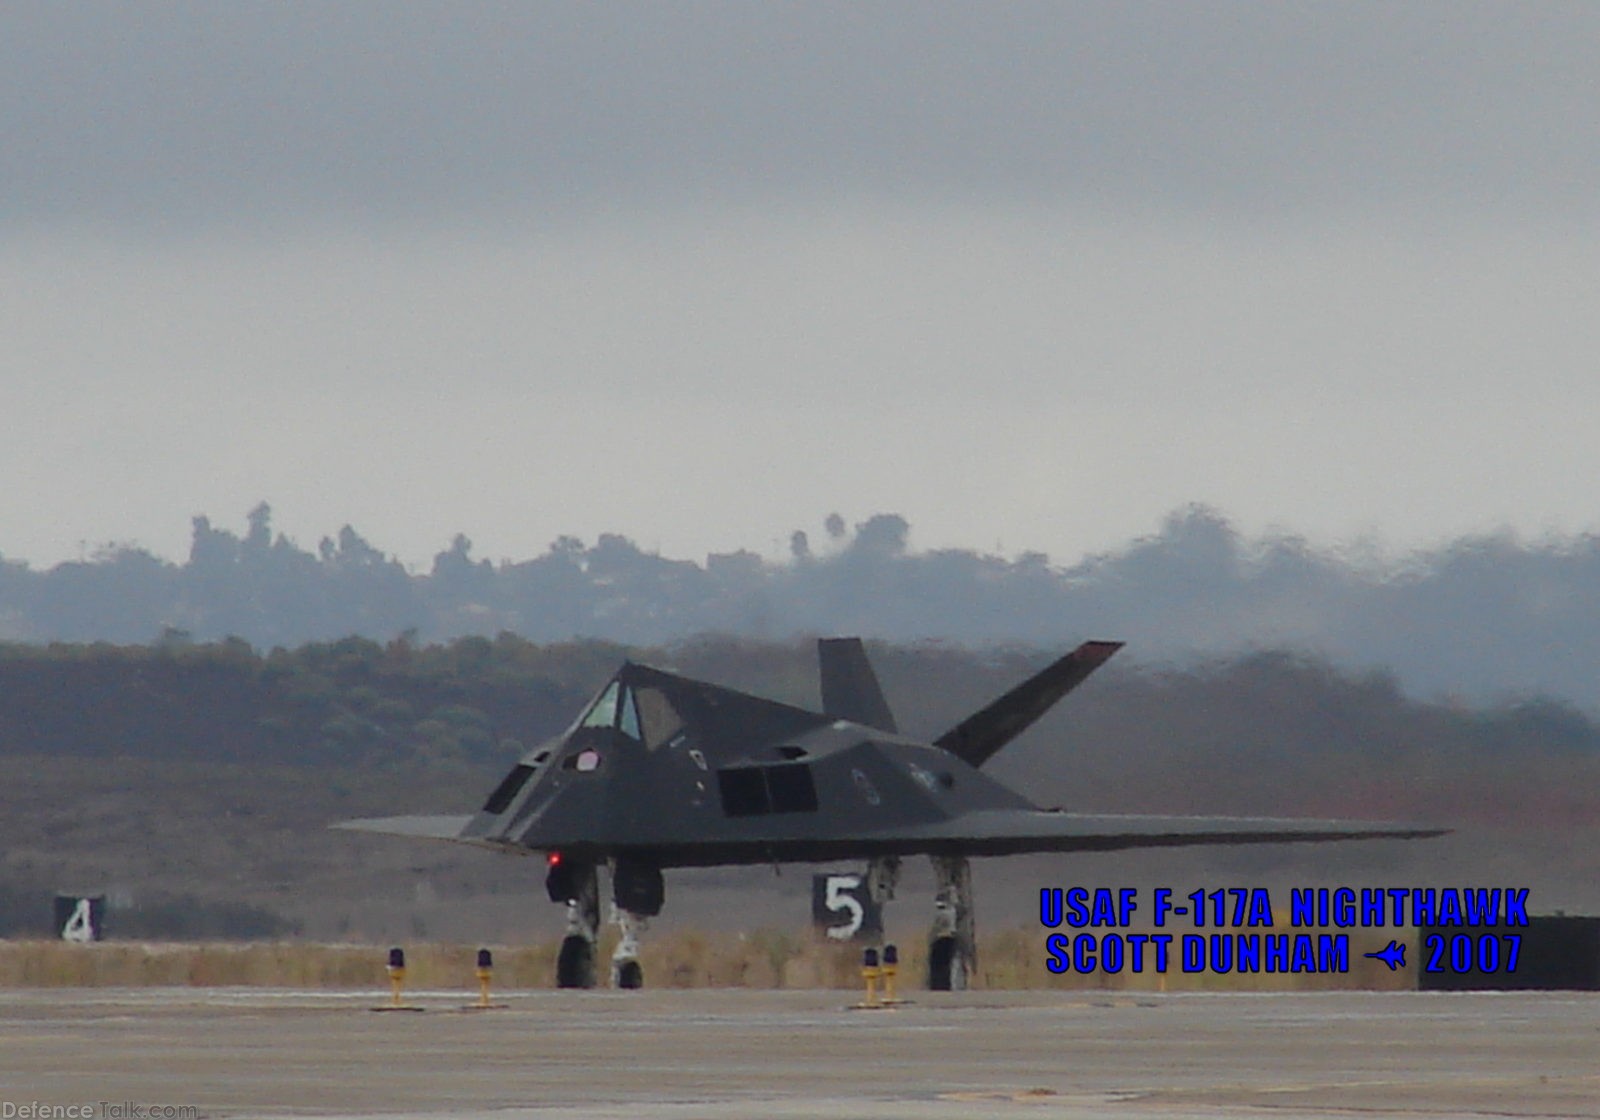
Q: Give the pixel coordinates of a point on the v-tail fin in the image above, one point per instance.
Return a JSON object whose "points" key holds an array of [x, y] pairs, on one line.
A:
{"points": [[980, 736]]}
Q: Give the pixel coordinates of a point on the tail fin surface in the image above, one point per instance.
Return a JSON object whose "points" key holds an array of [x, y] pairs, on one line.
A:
{"points": [[850, 687], [980, 736]]}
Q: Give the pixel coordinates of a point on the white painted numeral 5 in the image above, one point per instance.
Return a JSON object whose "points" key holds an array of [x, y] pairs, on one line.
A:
{"points": [[838, 899]]}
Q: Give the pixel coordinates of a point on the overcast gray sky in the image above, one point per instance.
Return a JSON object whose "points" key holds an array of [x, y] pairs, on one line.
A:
{"points": [[1030, 275]]}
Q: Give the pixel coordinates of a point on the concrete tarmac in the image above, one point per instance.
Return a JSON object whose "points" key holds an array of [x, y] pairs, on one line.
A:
{"points": [[136, 1054]]}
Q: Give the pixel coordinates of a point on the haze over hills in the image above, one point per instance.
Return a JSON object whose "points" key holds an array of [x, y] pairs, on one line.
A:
{"points": [[1031, 272], [1480, 619], [195, 773]]}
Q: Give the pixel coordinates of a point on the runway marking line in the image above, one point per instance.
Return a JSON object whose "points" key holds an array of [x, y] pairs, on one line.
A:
{"points": [[1019, 1095], [1325, 1086]]}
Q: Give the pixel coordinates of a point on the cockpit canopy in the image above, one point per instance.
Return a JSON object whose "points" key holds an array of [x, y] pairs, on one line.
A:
{"points": [[658, 709], [644, 713]]}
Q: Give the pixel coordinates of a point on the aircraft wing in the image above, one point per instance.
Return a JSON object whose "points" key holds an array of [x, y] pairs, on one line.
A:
{"points": [[1011, 832], [427, 828], [1008, 832]]}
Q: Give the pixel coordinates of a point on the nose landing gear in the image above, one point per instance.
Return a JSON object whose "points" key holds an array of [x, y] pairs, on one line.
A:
{"points": [[637, 895]]}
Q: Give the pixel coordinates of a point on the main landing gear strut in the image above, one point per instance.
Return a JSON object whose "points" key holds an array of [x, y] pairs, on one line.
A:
{"points": [[952, 942], [637, 894]]}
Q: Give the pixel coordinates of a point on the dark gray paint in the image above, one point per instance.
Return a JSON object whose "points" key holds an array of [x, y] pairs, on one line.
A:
{"points": [[878, 793]]}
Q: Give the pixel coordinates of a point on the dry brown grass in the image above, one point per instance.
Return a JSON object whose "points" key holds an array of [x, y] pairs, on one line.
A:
{"points": [[1008, 959]]}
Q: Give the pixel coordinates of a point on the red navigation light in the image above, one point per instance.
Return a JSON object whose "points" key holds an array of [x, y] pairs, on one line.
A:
{"points": [[553, 859]]}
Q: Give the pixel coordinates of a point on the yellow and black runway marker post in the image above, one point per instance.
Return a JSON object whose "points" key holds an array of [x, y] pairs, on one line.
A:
{"points": [[889, 971], [871, 973], [397, 982], [485, 972]]}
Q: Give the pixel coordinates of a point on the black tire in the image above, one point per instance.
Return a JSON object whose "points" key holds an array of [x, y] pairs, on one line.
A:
{"points": [[575, 963], [942, 957], [630, 975]]}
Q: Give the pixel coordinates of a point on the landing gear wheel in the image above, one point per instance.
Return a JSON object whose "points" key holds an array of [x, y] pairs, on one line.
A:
{"points": [[575, 963], [630, 975], [947, 969], [952, 943]]}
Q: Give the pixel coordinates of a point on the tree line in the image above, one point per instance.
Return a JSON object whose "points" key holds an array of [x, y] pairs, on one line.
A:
{"points": [[1246, 734], [1482, 618], [203, 775]]}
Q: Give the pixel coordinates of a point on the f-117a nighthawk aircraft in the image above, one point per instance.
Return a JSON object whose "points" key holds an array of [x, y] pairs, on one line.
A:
{"points": [[661, 771]]}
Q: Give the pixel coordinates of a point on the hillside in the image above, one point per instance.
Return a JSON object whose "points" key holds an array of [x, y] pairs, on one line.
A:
{"points": [[196, 782]]}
